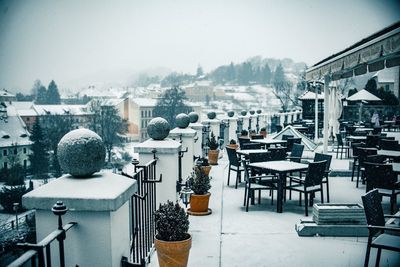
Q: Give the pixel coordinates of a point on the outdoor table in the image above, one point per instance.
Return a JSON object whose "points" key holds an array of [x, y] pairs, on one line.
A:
{"points": [[269, 142], [360, 129], [246, 152], [389, 153], [282, 168], [396, 167], [356, 138]]}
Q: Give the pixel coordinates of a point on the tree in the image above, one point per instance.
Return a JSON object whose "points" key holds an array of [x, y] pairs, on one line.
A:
{"points": [[282, 88], [41, 96], [38, 158], [266, 74], [199, 71], [171, 104], [111, 127], [371, 86], [53, 96], [35, 88]]}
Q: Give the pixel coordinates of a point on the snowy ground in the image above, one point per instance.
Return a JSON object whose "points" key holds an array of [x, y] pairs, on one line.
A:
{"points": [[230, 236]]}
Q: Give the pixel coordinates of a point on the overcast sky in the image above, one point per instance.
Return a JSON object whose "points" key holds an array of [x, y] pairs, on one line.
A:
{"points": [[69, 40]]}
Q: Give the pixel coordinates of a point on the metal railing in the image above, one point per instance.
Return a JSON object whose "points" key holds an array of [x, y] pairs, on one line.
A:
{"points": [[40, 254], [143, 206]]}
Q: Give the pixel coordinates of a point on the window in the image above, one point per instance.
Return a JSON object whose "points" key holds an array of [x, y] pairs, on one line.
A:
{"points": [[5, 165], [142, 114], [5, 152], [387, 88], [28, 119], [15, 151], [24, 150], [25, 163]]}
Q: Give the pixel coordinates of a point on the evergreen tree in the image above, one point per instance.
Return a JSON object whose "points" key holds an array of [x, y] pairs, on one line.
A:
{"points": [[171, 104], [266, 74], [53, 96], [371, 86], [231, 73], [199, 71], [38, 158], [36, 85], [41, 96]]}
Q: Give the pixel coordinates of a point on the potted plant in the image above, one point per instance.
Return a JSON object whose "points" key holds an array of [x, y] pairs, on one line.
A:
{"points": [[263, 131], [172, 242], [244, 134], [252, 132], [213, 152], [199, 182], [233, 144], [204, 165]]}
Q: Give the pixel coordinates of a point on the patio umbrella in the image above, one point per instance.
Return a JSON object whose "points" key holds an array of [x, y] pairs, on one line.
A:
{"points": [[361, 96], [335, 109]]}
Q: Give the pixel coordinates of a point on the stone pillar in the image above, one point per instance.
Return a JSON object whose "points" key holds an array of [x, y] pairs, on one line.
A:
{"points": [[98, 203], [245, 122], [187, 137], [198, 139], [232, 129], [197, 146], [167, 152], [214, 126]]}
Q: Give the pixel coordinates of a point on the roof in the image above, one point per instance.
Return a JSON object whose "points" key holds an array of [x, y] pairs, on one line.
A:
{"points": [[5, 93], [289, 130], [13, 132], [111, 101], [375, 52], [145, 102], [61, 109], [308, 95]]}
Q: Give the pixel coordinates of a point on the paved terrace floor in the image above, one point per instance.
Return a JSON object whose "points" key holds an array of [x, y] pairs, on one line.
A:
{"points": [[230, 236]]}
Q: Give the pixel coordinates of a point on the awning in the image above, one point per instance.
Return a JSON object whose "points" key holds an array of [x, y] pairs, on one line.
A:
{"points": [[373, 53], [363, 95]]}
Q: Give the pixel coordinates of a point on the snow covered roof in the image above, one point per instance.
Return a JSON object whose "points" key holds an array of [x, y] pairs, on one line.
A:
{"points": [[111, 101], [289, 130], [13, 132], [242, 96], [22, 104], [310, 96], [145, 102], [61, 109], [27, 112], [5, 93]]}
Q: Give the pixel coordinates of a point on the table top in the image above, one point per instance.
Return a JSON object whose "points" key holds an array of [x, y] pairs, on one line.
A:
{"points": [[246, 152], [268, 141], [363, 129], [396, 167], [389, 153], [354, 137], [280, 166]]}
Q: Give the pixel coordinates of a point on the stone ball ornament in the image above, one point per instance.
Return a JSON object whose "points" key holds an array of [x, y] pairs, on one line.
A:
{"points": [[182, 120], [158, 128], [243, 113], [194, 117], [231, 113], [81, 153], [259, 111], [211, 115], [252, 112]]}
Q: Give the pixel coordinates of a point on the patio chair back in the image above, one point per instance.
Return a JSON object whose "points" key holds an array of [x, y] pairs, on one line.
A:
{"points": [[315, 173], [233, 157], [260, 157], [356, 149], [327, 158], [372, 141], [373, 209], [339, 139], [364, 153], [297, 152], [243, 140], [386, 144], [379, 176], [291, 141], [278, 153], [251, 146], [376, 159]]}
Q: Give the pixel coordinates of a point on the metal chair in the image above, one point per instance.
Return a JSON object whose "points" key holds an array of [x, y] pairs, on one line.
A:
{"points": [[381, 177], [364, 153], [243, 140], [311, 183], [257, 183], [341, 146], [328, 159], [251, 146], [378, 236], [387, 144], [234, 165], [291, 141], [256, 136], [297, 153], [277, 153]]}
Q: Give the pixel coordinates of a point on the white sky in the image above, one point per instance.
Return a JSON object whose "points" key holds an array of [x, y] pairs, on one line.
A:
{"points": [[68, 40]]}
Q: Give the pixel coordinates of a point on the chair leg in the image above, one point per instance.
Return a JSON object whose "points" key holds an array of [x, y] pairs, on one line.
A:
{"points": [[358, 174], [378, 257], [259, 196], [247, 200], [245, 195], [272, 196], [327, 190], [306, 202], [229, 173], [237, 178], [337, 151], [300, 199], [367, 253], [322, 194], [353, 170]]}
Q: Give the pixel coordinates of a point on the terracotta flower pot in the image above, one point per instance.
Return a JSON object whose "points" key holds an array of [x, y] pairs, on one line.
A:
{"points": [[263, 133], [173, 253], [213, 157], [199, 203], [206, 169]]}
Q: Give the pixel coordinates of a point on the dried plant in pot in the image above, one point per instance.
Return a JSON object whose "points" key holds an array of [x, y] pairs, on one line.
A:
{"points": [[233, 144], [213, 152], [173, 242], [204, 165], [199, 182]]}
